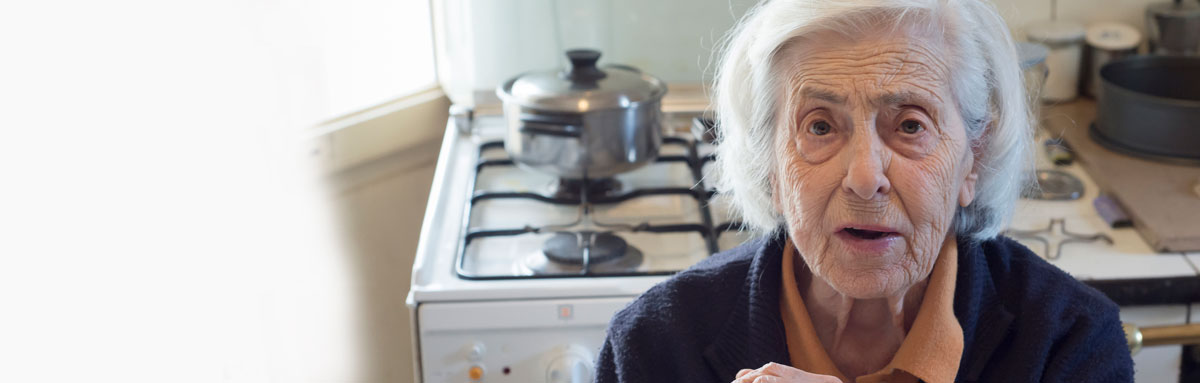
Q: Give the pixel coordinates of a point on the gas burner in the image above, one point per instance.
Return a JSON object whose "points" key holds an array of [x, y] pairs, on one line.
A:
{"points": [[1055, 185], [575, 189], [1060, 237], [569, 247], [564, 253]]}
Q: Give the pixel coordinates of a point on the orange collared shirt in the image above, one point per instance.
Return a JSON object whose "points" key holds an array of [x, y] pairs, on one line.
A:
{"points": [[930, 351]]}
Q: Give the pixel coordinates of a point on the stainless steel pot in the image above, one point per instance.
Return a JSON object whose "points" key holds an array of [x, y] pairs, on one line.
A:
{"points": [[585, 122]]}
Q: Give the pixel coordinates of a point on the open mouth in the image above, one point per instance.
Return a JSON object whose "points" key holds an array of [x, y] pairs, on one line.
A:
{"points": [[867, 234]]}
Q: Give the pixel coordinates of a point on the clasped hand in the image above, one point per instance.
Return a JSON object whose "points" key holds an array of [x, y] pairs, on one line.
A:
{"points": [[778, 373]]}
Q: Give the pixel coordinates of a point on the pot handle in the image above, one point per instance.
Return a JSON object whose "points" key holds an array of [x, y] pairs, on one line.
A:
{"points": [[550, 125], [583, 66]]}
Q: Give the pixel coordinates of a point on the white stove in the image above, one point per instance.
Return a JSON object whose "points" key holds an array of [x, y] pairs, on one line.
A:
{"points": [[517, 273]]}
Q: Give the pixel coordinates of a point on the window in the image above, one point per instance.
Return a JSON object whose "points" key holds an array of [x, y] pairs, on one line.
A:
{"points": [[346, 56]]}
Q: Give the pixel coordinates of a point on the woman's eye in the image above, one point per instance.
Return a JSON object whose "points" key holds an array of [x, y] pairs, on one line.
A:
{"points": [[911, 127], [819, 128]]}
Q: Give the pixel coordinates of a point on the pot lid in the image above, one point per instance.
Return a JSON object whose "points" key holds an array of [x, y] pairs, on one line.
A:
{"points": [[1113, 36], [1055, 32], [1183, 9], [583, 86]]}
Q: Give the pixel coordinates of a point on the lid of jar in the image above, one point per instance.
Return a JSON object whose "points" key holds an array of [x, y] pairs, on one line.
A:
{"points": [[583, 86], [1031, 54], [1113, 36], [1182, 9], [1055, 32]]}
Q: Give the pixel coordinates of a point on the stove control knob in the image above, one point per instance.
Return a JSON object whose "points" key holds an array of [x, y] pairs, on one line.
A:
{"points": [[475, 352], [475, 373], [571, 367]]}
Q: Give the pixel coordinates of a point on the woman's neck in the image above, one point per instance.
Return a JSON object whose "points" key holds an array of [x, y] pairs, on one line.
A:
{"points": [[860, 335]]}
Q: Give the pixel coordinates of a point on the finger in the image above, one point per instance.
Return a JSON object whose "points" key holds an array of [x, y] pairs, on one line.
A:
{"points": [[789, 372], [750, 377], [743, 372], [767, 379], [780, 369]]}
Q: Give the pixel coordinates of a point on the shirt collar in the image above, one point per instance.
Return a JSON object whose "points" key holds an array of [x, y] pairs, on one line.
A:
{"points": [[931, 350]]}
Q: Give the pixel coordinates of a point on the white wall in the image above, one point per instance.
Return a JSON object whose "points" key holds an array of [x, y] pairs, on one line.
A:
{"points": [[1020, 13], [488, 42], [381, 205]]}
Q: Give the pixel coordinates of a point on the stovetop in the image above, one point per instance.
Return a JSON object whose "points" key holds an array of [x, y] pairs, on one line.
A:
{"points": [[656, 220], [487, 221], [1072, 235]]}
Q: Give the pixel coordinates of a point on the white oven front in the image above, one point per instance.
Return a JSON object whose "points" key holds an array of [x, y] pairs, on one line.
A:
{"points": [[543, 340]]}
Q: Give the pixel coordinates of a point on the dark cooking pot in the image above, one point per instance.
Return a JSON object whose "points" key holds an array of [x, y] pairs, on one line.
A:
{"points": [[1150, 107], [584, 122]]}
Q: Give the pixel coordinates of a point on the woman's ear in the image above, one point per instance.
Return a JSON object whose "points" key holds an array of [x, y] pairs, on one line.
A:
{"points": [[966, 192], [774, 189]]}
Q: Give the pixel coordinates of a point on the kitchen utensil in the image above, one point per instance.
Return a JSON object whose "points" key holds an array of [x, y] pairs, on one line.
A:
{"points": [[1058, 152], [1107, 42], [586, 122], [1149, 108], [1110, 211], [1174, 28], [1065, 41]]}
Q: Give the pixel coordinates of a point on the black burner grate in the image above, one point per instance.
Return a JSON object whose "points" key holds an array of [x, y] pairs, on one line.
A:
{"points": [[694, 162]]}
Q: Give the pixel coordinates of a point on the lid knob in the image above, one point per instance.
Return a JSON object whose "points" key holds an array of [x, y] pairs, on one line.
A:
{"points": [[583, 66]]}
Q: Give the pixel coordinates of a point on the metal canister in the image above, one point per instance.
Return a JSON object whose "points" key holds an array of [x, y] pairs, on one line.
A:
{"points": [[1174, 28], [1065, 40], [1107, 42]]}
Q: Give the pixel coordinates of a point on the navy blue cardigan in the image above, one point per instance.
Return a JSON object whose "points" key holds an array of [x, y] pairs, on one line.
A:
{"points": [[1023, 320]]}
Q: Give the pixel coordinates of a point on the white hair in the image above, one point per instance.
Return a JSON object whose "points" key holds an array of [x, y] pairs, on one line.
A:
{"points": [[985, 82]]}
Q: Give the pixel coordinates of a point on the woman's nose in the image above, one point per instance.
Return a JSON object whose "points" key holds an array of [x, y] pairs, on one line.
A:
{"points": [[865, 174]]}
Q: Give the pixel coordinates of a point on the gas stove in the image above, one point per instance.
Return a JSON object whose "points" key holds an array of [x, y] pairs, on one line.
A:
{"points": [[518, 272]]}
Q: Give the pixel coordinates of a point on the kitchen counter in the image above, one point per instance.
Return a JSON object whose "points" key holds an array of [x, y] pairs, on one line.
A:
{"points": [[1130, 271]]}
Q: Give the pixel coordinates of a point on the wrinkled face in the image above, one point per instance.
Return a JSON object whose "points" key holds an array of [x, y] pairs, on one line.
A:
{"points": [[873, 158]]}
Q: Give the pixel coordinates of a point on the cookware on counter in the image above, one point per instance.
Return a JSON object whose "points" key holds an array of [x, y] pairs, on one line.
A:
{"points": [[1107, 42], [1065, 42], [586, 122], [1149, 107], [1174, 27]]}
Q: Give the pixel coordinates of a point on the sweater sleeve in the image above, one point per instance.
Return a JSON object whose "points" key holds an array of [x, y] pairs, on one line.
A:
{"points": [[641, 347], [627, 352], [606, 363], [1094, 350], [648, 341]]}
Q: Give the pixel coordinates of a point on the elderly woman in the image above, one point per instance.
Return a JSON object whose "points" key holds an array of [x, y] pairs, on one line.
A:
{"points": [[881, 145]]}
